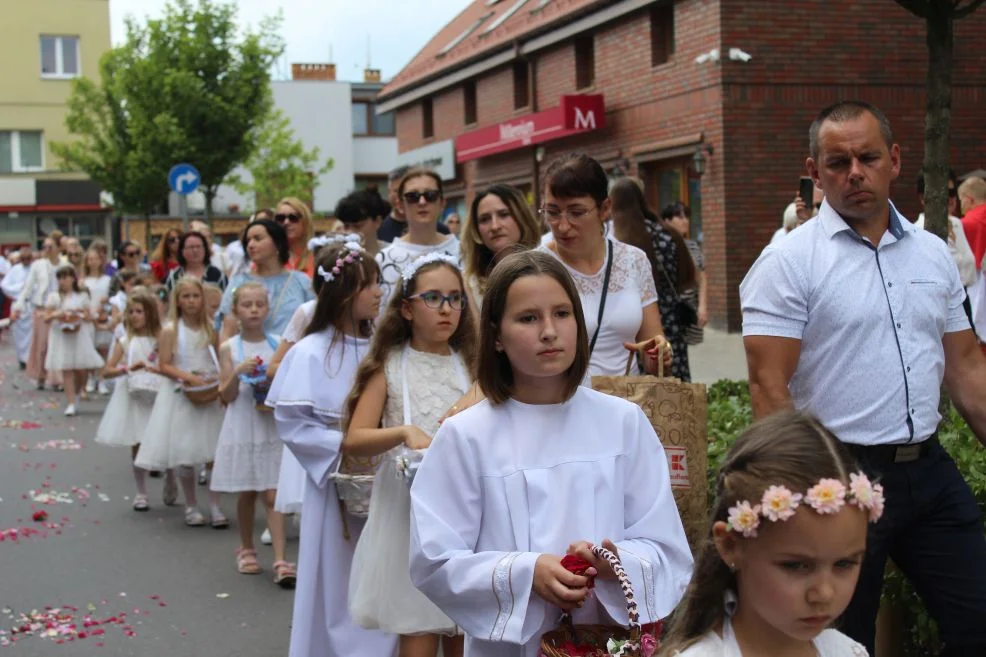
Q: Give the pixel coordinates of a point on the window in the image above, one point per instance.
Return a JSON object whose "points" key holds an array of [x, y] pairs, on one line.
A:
{"points": [[661, 33], [469, 98], [427, 119], [59, 56], [585, 62], [505, 16], [465, 34], [21, 151], [383, 124], [522, 85], [361, 119]]}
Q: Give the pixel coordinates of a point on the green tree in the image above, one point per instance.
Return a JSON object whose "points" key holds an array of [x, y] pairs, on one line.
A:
{"points": [[939, 17], [279, 164]]}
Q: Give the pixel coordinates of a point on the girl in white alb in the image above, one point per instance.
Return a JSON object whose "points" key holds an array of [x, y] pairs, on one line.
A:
{"points": [[308, 396], [133, 360], [414, 373], [180, 432], [71, 347], [248, 457]]}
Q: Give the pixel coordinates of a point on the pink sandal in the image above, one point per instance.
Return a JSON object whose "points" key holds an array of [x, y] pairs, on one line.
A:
{"points": [[285, 574], [246, 562]]}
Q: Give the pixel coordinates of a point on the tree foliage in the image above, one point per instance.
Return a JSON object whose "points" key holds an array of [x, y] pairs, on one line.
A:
{"points": [[188, 87], [279, 164]]}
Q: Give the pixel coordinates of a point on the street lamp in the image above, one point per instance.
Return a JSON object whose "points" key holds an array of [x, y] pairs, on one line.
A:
{"points": [[699, 159]]}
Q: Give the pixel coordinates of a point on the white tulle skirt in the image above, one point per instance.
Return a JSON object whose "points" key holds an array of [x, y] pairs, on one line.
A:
{"points": [[381, 595], [291, 482], [179, 432], [72, 351], [125, 419]]}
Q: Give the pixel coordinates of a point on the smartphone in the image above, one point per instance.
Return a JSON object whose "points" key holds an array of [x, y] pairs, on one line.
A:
{"points": [[806, 190]]}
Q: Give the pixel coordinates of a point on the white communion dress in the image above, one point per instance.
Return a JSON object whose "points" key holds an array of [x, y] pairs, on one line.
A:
{"points": [[71, 350], [830, 643], [421, 387], [180, 432], [248, 457], [126, 417]]}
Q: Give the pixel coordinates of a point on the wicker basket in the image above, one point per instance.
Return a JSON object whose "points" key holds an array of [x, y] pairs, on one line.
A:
{"points": [[202, 395], [593, 640]]}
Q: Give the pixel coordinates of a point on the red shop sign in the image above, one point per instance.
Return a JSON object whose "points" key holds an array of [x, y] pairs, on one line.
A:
{"points": [[576, 114]]}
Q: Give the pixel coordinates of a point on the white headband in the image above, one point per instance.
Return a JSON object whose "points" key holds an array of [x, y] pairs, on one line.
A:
{"points": [[353, 253], [408, 272], [316, 243]]}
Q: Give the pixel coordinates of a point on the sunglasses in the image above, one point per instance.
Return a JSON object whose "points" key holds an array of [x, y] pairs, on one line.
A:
{"points": [[131, 254], [172, 239], [293, 218], [435, 300], [430, 195]]}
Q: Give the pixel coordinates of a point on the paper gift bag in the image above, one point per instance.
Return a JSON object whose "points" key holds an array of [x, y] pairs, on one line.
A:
{"points": [[678, 412]]}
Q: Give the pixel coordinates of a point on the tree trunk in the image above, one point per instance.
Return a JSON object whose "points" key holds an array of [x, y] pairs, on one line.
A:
{"points": [[210, 196], [938, 117]]}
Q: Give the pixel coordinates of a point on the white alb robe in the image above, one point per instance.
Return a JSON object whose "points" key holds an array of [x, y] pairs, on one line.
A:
{"points": [[500, 486], [308, 395], [12, 285]]}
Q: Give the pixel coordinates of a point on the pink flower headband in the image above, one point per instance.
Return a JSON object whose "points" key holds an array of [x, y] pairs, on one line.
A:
{"points": [[354, 253], [826, 497]]}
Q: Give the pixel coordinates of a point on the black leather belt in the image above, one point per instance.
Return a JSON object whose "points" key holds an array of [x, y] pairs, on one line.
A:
{"points": [[884, 454]]}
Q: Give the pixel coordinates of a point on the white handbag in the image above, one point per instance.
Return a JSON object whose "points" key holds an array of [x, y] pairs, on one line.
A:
{"points": [[141, 384]]}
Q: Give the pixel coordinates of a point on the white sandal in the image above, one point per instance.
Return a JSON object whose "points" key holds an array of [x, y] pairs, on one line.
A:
{"points": [[194, 517], [140, 503]]}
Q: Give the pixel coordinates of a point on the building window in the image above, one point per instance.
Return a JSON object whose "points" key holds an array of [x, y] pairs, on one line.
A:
{"points": [[585, 62], [383, 124], [469, 99], [21, 151], [661, 33], [522, 85], [427, 119], [361, 119], [59, 56]]}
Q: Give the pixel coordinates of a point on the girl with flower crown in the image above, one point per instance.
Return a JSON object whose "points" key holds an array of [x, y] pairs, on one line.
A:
{"points": [[419, 364], [788, 534], [308, 397]]}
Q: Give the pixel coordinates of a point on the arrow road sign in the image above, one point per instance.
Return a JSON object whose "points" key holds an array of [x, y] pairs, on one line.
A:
{"points": [[184, 178]]}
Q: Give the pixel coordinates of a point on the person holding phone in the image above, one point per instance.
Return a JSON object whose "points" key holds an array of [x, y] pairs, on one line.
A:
{"points": [[807, 190]]}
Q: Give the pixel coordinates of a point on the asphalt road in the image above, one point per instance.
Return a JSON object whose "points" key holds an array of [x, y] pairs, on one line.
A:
{"points": [[148, 585]]}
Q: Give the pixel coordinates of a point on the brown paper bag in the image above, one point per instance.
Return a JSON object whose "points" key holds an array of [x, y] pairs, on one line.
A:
{"points": [[679, 414]]}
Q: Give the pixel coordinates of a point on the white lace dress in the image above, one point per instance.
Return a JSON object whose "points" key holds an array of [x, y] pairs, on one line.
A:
{"points": [[125, 419], [248, 457], [381, 595], [180, 432], [631, 289], [75, 350]]}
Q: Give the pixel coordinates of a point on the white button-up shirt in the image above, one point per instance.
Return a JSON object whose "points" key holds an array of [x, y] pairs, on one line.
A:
{"points": [[870, 321]]}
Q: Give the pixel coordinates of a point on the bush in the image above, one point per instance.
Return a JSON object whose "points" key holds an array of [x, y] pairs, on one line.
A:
{"points": [[730, 413]]}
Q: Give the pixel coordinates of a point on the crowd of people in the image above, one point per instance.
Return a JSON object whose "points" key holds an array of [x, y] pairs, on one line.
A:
{"points": [[422, 398]]}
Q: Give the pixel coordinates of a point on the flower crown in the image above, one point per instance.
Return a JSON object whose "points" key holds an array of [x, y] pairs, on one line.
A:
{"points": [[316, 243], [412, 268], [826, 497], [354, 253]]}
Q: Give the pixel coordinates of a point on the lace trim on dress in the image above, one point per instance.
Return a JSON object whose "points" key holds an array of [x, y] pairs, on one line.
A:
{"points": [[503, 589], [630, 269]]}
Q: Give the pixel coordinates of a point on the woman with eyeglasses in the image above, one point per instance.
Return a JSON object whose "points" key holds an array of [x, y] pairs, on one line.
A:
{"points": [[128, 255], [40, 283], [165, 256], [296, 219], [194, 259], [499, 222], [266, 245], [420, 195], [614, 279]]}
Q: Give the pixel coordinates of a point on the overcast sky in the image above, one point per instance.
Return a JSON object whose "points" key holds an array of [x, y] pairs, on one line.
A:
{"points": [[396, 29]]}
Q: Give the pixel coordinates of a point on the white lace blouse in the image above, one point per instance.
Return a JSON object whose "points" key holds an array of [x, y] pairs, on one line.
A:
{"points": [[631, 289]]}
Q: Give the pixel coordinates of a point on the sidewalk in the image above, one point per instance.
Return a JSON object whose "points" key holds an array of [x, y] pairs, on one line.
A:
{"points": [[720, 356]]}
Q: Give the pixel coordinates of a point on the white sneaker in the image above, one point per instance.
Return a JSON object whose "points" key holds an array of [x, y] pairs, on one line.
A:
{"points": [[265, 538], [91, 385], [103, 388], [70, 410]]}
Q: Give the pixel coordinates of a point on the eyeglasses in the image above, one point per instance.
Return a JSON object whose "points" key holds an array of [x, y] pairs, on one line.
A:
{"points": [[435, 300], [574, 215], [293, 218], [430, 195]]}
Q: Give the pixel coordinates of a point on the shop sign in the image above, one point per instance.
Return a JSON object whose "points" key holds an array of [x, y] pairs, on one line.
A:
{"points": [[439, 157]]}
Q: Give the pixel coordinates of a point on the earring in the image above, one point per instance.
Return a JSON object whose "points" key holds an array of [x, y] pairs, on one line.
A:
{"points": [[732, 567]]}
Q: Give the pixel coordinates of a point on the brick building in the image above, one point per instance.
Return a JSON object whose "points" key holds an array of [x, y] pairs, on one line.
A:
{"points": [[489, 99]]}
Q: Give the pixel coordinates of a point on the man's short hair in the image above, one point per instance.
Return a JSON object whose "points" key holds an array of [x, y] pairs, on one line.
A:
{"points": [[920, 182], [974, 187], [847, 110]]}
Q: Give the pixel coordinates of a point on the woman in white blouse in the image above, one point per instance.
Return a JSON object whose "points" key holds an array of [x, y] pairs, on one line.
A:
{"points": [[40, 282], [575, 205]]}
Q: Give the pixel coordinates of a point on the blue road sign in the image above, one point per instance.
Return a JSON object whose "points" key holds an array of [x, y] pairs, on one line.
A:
{"points": [[184, 178]]}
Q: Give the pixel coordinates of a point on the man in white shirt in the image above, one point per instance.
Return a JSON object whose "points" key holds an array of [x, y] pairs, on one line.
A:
{"points": [[857, 318]]}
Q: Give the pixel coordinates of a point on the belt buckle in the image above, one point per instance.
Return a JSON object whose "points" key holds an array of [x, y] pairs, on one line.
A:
{"points": [[907, 453]]}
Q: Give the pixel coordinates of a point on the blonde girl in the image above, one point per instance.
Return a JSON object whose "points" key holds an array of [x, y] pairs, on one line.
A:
{"points": [[180, 432], [248, 457], [133, 360], [95, 280], [71, 345], [787, 536], [419, 364]]}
